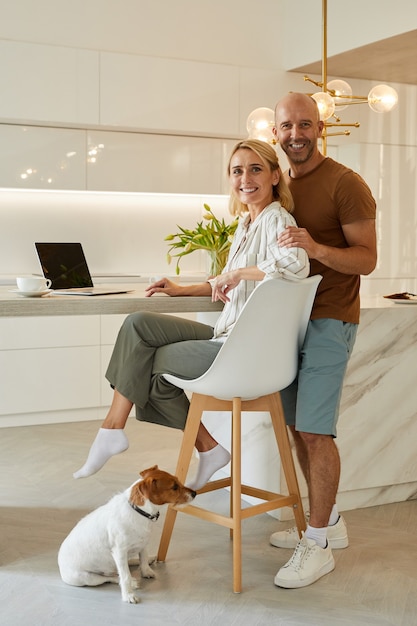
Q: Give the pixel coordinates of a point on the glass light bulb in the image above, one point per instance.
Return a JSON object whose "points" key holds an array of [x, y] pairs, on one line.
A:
{"points": [[382, 98], [260, 124], [341, 92], [325, 103]]}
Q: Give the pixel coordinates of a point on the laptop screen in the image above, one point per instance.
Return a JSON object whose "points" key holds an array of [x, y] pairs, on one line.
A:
{"points": [[64, 264]]}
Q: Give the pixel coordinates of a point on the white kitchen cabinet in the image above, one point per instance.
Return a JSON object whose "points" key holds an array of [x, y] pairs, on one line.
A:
{"points": [[50, 369]]}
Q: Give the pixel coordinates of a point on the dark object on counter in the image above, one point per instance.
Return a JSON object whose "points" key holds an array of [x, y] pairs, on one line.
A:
{"points": [[402, 296]]}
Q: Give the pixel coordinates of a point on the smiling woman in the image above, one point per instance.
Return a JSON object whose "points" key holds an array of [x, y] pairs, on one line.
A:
{"points": [[148, 346], [252, 180], [256, 178]]}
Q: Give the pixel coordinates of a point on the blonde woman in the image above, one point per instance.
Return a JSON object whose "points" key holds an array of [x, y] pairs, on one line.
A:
{"points": [[151, 344]]}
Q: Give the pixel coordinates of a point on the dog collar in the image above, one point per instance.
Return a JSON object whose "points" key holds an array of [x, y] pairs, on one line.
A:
{"points": [[153, 517]]}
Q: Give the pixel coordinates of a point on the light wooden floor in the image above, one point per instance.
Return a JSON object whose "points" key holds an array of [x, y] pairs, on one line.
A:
{"points": [[375, 580]]}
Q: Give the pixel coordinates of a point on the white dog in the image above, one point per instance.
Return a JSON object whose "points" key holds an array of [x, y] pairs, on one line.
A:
{"points": [[98, 549]]}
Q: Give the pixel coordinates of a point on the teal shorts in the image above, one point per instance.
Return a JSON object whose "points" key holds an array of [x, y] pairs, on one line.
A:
{"points": [[311, 403]]}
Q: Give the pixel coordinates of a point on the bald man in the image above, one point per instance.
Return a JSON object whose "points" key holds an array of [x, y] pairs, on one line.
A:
{"points": [[335, 213]]}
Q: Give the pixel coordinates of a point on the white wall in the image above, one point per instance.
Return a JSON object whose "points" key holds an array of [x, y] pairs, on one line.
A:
{"points": [[122, 233]]}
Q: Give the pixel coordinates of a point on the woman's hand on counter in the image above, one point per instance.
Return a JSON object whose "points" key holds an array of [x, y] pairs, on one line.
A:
{"points": [[171, 288]]}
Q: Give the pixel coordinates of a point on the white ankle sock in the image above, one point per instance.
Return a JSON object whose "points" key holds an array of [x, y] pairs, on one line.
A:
{"points": [[319, 535], [334, 516], [210, 462], [107, 443]]}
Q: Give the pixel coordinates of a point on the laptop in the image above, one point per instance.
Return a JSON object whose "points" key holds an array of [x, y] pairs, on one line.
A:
{"points": [[66, 267]]}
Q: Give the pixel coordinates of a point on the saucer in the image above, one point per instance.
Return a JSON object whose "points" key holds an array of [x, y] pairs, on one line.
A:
{"points": [[406, 301], [31, 294]]}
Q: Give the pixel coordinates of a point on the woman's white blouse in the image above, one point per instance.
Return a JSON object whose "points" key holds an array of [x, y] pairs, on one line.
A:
{"points": [[255, 243]]}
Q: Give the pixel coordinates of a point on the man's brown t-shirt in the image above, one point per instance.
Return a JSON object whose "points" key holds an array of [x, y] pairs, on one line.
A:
{"points": [[327, 198]]}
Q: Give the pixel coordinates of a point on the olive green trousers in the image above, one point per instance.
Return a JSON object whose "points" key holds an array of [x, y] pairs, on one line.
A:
{"points": [[149, 345]]}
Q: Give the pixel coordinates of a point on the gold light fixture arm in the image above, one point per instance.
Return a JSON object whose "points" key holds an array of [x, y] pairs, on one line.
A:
{"points": [[345, 133], [333, 124], [310, 80], [361, 99]]}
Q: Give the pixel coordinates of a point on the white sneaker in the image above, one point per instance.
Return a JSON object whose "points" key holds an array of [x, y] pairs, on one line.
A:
{"points": [[336, 536], [308, 563]]}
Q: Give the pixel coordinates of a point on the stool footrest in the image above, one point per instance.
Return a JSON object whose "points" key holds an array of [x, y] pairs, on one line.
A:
{"points": [[210, 516], [275, 501], [213, 485]]}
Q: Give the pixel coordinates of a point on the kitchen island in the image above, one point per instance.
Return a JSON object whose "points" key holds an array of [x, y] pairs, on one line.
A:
{"points": [[54, 352]]}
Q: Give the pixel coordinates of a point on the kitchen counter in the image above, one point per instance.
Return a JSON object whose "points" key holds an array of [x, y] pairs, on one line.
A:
{"points": [[15, 305]]}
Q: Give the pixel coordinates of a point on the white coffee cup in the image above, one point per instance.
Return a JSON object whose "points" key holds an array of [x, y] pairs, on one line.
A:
{"points": [[32, 283]]}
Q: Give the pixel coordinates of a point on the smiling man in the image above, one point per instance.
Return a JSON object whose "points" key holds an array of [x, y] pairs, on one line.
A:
{"points": [[335, 214]]}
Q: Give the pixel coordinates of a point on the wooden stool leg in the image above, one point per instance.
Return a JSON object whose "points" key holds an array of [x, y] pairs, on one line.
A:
{"points": [[190, 435], [236, 487], [287, 461], [170, 517], [184, 459]]}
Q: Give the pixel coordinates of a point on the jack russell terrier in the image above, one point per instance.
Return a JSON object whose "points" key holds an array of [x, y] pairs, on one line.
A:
{"points": [[98, 548]]}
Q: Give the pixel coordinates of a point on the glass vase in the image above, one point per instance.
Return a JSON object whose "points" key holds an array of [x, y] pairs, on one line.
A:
{"points": [[216, 262]]}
